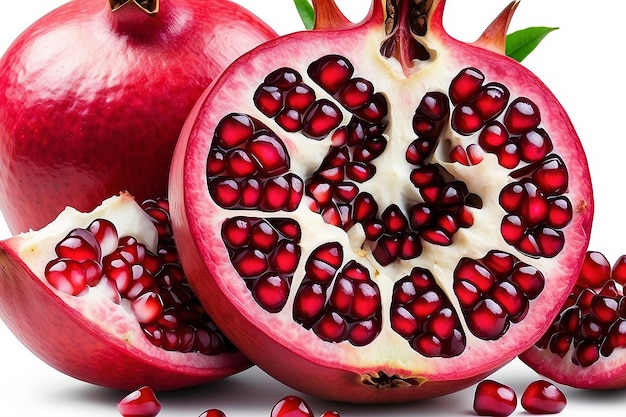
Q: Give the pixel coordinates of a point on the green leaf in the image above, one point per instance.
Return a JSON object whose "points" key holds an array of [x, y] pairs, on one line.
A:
{"points": [[521, 43], [307, 14]]}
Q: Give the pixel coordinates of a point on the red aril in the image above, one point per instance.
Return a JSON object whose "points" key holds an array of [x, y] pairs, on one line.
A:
{"points": [[140, 403], [408, 225], [494, 399], [291, 406], [584, 345], [542, 397], [213, 412], [94, 94], [101, 296]]}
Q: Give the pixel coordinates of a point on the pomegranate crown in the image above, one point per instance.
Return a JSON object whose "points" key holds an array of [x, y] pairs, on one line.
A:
{"points": [[150, 7]]}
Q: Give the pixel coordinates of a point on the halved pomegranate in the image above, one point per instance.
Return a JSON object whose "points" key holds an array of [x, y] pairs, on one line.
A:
{"points": [[379, 212], [93, 96], [585, 344], [101, 296]]}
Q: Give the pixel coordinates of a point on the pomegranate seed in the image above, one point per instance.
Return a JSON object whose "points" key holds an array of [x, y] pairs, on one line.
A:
{"points": [[465, 85], [331, 72], [309, 302], [106, 234], [290, 120], [551, 176], [321, 118], [508, 155], [239, 164], [618, 272], [491, 100], [67, 276], [375, 110], [213, 413], [488, 320], [79, 245], [234, 130], [250, 263], [560, 212], [140, 403], [535, 145], [269, 100], [291, 406], [331, 327], [595, 270], [542, 397], [284, 78], [522, 116], [270, 153], [434, 106], [147, 308], [323, 263], [271, 292], [355, 94], [236, 232], [330, 414], [300, 98], [494, 399], [465, 120]]}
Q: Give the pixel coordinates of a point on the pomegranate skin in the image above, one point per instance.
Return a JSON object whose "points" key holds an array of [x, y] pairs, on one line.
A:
{"points": [[92, 101], [63, 337], [289, 352]]}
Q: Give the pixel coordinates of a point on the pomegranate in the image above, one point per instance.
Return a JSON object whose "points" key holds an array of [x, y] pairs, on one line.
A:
{"points": [[101, 296], [542, 397], [213, 412], [140, 403], [94, 94], [377, 212], [584, 346], [291, 406], [494, 399]]}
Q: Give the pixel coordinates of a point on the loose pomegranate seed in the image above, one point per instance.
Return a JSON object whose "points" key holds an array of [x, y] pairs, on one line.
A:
{"points": [[140, 403], [79, 244], [330, 414], [67, 276], [214, 412], [331, 72], [595, 270], [542, 397], [291, 406], [494, 399]]}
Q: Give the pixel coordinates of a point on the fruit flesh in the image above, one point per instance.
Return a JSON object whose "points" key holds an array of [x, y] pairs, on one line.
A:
{"points": [[308, 156]]}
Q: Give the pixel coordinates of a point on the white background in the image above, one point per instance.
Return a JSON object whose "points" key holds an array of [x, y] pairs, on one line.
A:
{"points": [[581, 63]]}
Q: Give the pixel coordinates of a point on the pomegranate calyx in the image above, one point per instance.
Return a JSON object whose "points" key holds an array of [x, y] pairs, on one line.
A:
{"points": [[494, 37], [329, 17], [150, 7]]}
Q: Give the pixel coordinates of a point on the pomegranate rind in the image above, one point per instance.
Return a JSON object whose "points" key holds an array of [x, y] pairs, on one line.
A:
{"points": [[96, 342], [56, 152], [385, 370]]}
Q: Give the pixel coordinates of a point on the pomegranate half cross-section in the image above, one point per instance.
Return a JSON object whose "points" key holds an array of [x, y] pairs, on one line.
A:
{"points": [[377, 212]]}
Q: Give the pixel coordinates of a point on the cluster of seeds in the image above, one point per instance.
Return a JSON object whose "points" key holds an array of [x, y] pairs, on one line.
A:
{"points": [[153, 286]]}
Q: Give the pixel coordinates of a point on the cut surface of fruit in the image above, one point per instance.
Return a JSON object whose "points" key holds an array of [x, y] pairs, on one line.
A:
{"points": [[391, 212], [585, 344], [101, 296]]}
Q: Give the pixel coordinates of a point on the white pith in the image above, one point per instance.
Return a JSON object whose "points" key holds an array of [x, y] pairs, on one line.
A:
{"points": [[115, 321], [389, 352]]}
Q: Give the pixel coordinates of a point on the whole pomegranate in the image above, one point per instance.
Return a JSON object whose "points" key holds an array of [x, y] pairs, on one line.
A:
{"points": [[94, 94], [584, 346], [102, 297], [378, 212]]}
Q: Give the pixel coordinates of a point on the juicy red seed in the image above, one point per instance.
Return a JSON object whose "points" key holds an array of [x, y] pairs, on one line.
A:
{"points": [[494, 399], [522, 116], [330, 414], [271, 292], [285, 257], [140, 403], [360, 172], [394, 220], [467, 293], [270, 154], [342, 295], [493, 137], [587, 353], [250, 263], [420, 215], [309, 302], [560, 212], [442, 323], [509, 297], [284, 78], [552, 176], [214, 412], [595, 271], [499, 263], [366, 303], [491, 101], [269, 100], [67, 276], [535, 145], [508, 155], [512, 229], [465, 85], [424, 176], [239, 164], [487, 320], [251, 193], [375, 110], [234, 130], [434, 106], [617, 334], [147, 308], [604, 308], [105, 233], [225, 192], [263, 237], [290, 120], [542, 397], [216, 163], [331, 327], [291, 406], [472, 271], [403, 322], [79, 245], [300, 98], [321, 119], [331, 72], [355, 94], [465, 120], [618, 272], [529, 279], [276, 194], [236, 232]]}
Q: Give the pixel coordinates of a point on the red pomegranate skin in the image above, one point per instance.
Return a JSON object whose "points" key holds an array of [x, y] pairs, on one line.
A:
{"points": [[92, 101]]}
